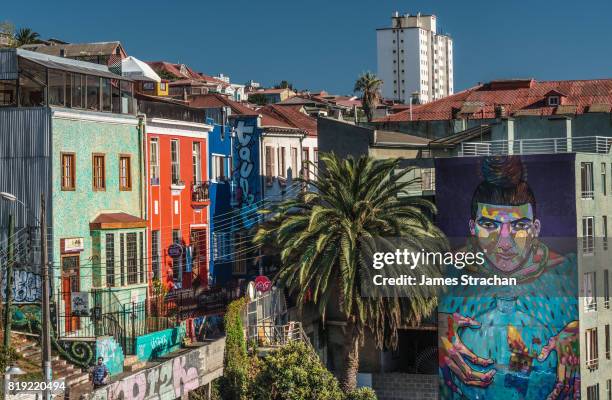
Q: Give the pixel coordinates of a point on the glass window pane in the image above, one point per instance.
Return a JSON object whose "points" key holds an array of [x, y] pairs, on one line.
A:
{"points": [[106, 94], [93, 92], [8, 93], [116, 96], [56, 87], [68, 92], [78, 91], [127, 98]]}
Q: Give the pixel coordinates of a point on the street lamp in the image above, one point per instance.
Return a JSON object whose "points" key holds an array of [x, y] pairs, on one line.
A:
{"points": [[8, 196]]}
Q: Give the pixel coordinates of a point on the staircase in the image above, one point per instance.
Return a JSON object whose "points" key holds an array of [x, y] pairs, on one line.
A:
{"points": [[62, 370]]}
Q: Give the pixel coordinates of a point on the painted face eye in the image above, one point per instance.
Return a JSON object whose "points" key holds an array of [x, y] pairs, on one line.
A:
{"points": [[487, 224], [521, 225]]}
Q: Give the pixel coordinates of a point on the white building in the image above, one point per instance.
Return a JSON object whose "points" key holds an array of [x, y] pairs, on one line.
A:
{"points": [[414, 60]]}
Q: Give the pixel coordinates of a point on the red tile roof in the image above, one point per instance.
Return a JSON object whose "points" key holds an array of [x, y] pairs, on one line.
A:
{"points": [[187, 73], [215, 100], [520, 97], [291, 117]]}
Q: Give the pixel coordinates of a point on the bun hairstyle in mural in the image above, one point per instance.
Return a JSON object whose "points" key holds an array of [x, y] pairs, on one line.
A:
{"points": [[508, 342]]}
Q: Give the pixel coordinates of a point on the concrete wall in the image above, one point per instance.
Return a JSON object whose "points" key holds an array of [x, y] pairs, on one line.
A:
{"points": [[171, 379], [342, 138], [399, 386]]}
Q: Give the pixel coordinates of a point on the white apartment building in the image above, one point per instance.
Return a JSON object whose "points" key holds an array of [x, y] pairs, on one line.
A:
{"points": [[414, 61]]}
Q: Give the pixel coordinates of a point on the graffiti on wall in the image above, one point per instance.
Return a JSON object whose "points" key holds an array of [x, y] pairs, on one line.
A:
{"points": [[510, 342], [169, 380], [246, 167], [112, 353], [27, 286], [156, 344]]}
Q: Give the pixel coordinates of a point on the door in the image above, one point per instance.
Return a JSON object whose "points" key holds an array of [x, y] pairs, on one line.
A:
{"points": [[199, 256], [70, 284]]}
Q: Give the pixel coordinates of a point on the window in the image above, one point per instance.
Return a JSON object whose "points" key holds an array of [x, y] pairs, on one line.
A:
{"points": [[604, 186], [305, 164], [197, 162], [586, 180], [177, 261], [57, 95], [110, 259], [162, 86], [590, 291], [239, 267], [270, 167], [609, 389], [141, 259], [132, 259], [175, 161], [155, 247], [588, 233], [8, 93], [294, 161], [219, 172], [99, 172], [78, 91], [105, 89], [122, 257], [68, 171], [553, 101], [592, 357], [221, 246], [125, 173], [93, 92], [604, 233], [149, 85], [154, 161], [593, 392], [282, 166], [606, 289], [607, 342]]}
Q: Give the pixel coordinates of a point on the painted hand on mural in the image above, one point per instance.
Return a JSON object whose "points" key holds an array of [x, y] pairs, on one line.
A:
{"points": [[567, 346], [453, 354]]}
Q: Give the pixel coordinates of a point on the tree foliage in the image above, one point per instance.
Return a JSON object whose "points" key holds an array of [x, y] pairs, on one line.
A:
{"points": [[25, 36], [369, 85], [325, 234], [294, 372], [362, 393], [258, 98], [284, 85], [235, 380]]}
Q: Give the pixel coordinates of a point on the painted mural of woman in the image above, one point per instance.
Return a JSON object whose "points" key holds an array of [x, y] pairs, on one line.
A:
{"points": [[510, 342]]}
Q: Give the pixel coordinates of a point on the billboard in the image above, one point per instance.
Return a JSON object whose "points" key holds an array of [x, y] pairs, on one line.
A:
{"points": [[510, 342]]}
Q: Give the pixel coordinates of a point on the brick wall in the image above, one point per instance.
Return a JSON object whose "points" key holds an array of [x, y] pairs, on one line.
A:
{"points": [[399, 386]]}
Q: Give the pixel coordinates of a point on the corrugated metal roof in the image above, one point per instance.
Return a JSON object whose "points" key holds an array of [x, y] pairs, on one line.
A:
{"points": [[468, 134]]}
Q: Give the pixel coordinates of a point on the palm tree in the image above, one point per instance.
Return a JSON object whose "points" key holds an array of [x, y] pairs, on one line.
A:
{"points": [[326, 235], [25, 36], [368, 85]]}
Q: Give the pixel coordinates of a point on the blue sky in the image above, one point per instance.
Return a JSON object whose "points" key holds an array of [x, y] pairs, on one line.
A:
{"points": [[326, 44]]}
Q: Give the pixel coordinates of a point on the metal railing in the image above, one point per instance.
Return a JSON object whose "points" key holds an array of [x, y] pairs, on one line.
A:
{"points": [[268, 335], [585, 144], [199, 191]]}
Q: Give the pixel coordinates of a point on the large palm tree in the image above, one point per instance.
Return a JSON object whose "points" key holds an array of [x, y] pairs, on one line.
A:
{"points": [[326, 235], [25, 36], [369, 85]]}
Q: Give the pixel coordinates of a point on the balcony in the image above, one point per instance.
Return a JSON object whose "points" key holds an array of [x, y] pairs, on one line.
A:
{"points": [[200, 193], [592, 364], [586, 144]]}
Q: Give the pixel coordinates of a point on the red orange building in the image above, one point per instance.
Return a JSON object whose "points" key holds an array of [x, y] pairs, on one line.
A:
{"points": [[178, 200]]}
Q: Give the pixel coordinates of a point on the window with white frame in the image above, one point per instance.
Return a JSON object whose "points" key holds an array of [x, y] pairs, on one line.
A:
{"points": [[553, 101], [175, 161], [593, 392], [588, 235], [586, 180], [197, 163], [592, 350], [590, 291], [154, 161], [219, 168]]}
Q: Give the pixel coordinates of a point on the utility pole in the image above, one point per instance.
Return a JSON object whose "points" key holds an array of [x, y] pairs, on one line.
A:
{"points": [[46, 314], [8, 294]]}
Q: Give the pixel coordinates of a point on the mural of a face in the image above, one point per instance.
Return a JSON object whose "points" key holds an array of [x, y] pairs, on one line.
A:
{"points": [[505, 234]]}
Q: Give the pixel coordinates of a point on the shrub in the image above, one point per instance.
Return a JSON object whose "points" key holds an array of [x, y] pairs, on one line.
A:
{"points": [[235, 380], [294, 372], [363, 393]]}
